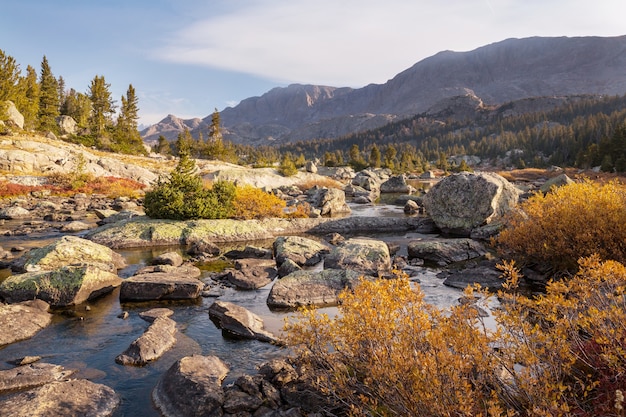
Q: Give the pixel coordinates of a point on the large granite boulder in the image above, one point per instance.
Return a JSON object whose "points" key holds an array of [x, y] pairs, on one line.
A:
{"points": [[68, 285], [301, 250], [192, 387], [69, 250], [462, 202], [163, 282], [77, 397], [329, 201], [156, 340], [32, 375], [14, 212], [239, 323], [22, 321], [556, 182], [67, 125], [310, 288], [445, 251], [367, 256]]}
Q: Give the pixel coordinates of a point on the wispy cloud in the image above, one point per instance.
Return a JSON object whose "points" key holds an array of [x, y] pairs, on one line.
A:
{"points": [[352, 43]]}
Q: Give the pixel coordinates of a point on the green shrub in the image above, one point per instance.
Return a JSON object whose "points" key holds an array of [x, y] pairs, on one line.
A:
{"points": [[183, 196]]}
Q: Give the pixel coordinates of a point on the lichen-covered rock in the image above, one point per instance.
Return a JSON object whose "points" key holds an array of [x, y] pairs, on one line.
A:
{"points": [[238, 322], [61, 287], [77, 397], [310, 288], [462, 202], [156, 340], [397, 184], [192, 387], [301, 250], [367, 256], [14, 212], [22, 321], [69, 250], [445, 251], [330, 201], [556, 182]]}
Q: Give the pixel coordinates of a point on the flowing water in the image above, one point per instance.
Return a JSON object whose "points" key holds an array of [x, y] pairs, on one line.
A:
{"points": [[89, 339]]}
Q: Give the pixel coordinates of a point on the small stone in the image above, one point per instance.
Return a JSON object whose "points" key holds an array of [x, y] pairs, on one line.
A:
{"points": [[87, 308], [123, 315]]}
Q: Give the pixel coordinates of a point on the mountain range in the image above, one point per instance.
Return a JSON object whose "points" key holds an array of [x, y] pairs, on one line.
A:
{"points": [[445, 83]]}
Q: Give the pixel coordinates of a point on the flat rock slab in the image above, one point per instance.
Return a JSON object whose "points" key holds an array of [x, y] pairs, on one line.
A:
{"points": [[77, 397], [192, 387], [237, 322], [22, 321], [309, 288], [30, 376], [180, 284], [154, 313], [68, 285], [156, 340]]}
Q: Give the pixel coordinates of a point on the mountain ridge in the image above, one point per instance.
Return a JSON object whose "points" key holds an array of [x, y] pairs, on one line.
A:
{"points": [[509, 70]]}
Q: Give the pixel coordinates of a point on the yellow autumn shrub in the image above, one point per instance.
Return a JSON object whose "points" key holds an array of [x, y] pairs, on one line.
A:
{"points": [[388, 353], [576, 220], [253, 203]]}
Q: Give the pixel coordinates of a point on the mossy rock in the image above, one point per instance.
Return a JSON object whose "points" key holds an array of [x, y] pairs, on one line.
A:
{"points": [[65, 286]]}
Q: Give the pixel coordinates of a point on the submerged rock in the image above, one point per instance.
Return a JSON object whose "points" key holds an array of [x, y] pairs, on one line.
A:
{"points": [[22, 321]]}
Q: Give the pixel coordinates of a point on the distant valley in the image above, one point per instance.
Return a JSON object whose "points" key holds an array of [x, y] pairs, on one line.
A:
{"points": [[448, 84]]}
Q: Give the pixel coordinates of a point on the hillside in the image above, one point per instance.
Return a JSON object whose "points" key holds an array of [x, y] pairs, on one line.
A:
{"points": [[506, 71]]}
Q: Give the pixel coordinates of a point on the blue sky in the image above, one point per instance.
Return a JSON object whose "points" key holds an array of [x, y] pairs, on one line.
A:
{"points": [[188, 57]]}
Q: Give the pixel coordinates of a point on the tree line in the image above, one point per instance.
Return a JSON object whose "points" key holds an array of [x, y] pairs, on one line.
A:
{"points": [[42, 98]]}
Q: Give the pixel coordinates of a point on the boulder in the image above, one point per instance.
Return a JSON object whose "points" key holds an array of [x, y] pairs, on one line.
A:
{"points": [[287, 268], [168, 258], [250, 274], [32, 375], [67, 125], [484, 273], [75, 226], [557, 181], [203, 248], [301, 250], [69, 250], [156, 340], [366, 256], [154, 313], [192, 386], [239, 323], [411, 207], [397, 184], [311, 167], [77, 397], [14, 117], [165, 284], [309, 288], [14, 213], [249, 252], [445, 251], [462, 202], [22, 321], [68, 285], [330, 201]]}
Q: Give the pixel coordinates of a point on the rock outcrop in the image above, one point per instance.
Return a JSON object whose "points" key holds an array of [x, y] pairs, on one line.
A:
{"points": [[465, 201]]}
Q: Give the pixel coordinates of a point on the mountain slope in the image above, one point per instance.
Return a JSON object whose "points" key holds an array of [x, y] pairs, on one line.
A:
{"points": [[505, 71]]}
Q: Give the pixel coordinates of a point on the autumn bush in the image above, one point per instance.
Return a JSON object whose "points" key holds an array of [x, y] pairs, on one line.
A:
{"points": [[254, 203], [388, 353], [576, 220]]}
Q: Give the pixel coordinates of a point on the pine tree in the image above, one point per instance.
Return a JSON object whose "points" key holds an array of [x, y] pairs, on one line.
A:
{"points": [[9, 78], [127, 137], [102, 104], [78, 107], [48, 98], [374, 157], [163, 146], [28, 105], [184, 143]]}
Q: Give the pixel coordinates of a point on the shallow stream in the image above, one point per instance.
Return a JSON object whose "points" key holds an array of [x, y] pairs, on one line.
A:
{"points": [[90, 339]]}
